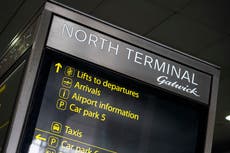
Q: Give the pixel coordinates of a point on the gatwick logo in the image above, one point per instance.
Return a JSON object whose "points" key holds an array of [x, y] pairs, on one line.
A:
{"points": [[164, 80]]}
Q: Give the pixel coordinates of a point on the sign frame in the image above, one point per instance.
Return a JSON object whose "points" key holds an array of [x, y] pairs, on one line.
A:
{"points": [[51, 9]]}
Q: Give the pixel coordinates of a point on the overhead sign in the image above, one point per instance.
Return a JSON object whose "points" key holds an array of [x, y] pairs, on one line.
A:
{"points": [[128, 59]]}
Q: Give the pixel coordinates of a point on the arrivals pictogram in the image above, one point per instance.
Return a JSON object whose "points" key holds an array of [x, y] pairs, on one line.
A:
{"points": [[67, 82]]}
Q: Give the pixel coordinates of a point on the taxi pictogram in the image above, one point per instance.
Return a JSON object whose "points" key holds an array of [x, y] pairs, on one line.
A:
{"points": [[56, 127]]}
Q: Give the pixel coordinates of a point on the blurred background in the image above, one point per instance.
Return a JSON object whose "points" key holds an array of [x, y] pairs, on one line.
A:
{"points": [[200, 28]]}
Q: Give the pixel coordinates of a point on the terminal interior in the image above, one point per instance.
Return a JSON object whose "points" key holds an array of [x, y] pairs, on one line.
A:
{"points": [[199, 28]]}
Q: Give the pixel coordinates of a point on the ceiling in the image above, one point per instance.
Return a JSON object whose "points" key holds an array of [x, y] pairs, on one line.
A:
{"points": [[200, 28]]}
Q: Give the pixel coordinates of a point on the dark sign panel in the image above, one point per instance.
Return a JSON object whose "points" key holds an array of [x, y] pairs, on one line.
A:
{"points": [[128, 59], [88, 109]]}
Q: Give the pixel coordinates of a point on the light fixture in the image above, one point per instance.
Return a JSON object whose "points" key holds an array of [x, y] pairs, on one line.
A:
{"points": [[15, 41], [227, 117]]}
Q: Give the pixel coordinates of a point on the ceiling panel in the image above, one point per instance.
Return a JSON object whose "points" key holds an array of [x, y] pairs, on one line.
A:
{"points": [[214, 13], [174, 5], [217, 53], [222, 139], [223, 105], [184, 34], [21, 18], [86, 6], [200, 29], [7, 10], [137, 16]]}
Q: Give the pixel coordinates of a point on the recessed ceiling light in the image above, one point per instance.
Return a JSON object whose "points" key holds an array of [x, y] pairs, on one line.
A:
{"points": [[227, 117]]}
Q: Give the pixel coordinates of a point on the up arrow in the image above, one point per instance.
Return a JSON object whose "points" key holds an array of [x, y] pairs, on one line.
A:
{"points": [[39, 137], [58, 67]]}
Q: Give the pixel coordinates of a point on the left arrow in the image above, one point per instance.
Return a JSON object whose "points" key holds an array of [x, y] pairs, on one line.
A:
{"points": [[58, 67], [39, 137]]}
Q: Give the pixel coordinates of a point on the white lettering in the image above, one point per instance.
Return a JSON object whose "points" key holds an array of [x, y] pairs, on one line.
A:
{"points": [[177, 72], [158, 67], [163, 80], [77, 35], [148, 61], [115, 48], [130, 50], [153, 62], [69, 31], [168, 68], [186, 76], [93, 38], [138, 57], [193, 78], [102, 43]]}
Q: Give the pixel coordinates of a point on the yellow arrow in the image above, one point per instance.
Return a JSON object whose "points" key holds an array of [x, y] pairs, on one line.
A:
{"points": [[58, 67], [39, 137]]}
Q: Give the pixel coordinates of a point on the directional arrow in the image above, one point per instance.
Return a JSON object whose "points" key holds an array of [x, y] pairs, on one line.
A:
{"points": [[58, 67], [39, 137]]}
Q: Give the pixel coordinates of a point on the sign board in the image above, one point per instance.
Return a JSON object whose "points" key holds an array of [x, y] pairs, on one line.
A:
{"points": [[95, 88], [129, 59], [87, 108]]}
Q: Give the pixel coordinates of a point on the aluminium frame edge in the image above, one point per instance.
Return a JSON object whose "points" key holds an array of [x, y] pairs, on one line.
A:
{"points": [[27, 85], [212, 113]]}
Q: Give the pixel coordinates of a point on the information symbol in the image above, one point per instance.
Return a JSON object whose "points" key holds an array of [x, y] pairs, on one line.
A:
{"points": [[64, 93]]}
